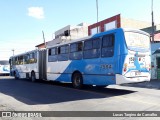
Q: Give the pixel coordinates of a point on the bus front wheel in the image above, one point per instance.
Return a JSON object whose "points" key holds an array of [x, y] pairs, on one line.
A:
{"points": [[16, 75], [77, 80]]}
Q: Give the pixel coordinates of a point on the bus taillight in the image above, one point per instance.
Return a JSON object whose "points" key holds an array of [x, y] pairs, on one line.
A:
{"points": [[125, 67], [149, 67]]}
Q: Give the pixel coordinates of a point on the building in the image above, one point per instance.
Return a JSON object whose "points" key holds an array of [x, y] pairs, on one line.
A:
{"points": [[155, 64], [118, 21], [69, 33], [40, 46]]}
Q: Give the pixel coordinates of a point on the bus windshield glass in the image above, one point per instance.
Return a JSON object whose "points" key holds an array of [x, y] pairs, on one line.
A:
{"points": [[4, 62], [137, 42]]}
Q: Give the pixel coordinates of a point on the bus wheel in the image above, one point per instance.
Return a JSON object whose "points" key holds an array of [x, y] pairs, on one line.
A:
{"points": [[77, 80], [33, 77], [16, 76]]}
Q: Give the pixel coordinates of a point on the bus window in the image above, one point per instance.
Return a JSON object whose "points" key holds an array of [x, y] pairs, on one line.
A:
{"points": [[33, 57], [53, 51], [88, 45], [96, 43], [76, 51], [26, 59], [20, 60], [63, 53], [108, 46], [92, 48], [52, 55]]}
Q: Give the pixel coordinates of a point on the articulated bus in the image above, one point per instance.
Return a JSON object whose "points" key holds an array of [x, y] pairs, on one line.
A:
{"points": [[113, 57]]}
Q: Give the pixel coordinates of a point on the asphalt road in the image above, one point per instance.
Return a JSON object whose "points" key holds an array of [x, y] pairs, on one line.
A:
{"points": [[24, 95]]}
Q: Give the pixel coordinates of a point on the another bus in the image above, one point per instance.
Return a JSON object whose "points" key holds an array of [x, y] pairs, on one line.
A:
{"points": [[113, 57], [26, 65], [4, 67]]}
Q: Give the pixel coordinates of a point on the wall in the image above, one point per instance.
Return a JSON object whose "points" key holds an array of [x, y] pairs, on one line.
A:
{"points": [[110, 22]]}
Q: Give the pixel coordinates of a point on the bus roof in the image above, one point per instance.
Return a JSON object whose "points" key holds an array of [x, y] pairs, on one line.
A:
{"points": [[135, 30], [24, 53]]}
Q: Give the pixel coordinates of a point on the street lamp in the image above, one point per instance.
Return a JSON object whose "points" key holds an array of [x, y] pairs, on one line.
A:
{"points": [[13, 51], [152, 22]]}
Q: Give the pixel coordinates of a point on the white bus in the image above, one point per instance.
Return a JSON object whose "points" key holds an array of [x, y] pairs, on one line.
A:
{"points": [[27, 65]]}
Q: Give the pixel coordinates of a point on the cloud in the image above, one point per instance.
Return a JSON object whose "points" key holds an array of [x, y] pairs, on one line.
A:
{"points": [[36, 12]]}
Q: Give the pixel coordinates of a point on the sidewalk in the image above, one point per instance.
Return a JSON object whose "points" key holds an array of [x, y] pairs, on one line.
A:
{"points": [[152, 84]]}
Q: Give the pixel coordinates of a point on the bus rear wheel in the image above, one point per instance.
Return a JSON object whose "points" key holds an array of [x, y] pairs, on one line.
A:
{"points": [[77, 80]]}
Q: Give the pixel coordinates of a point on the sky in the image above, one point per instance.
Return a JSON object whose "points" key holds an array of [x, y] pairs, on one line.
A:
{"points": [[22, 21]]}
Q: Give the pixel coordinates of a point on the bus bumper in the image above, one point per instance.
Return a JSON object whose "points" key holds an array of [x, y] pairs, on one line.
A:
{"points": [[120, 79]]}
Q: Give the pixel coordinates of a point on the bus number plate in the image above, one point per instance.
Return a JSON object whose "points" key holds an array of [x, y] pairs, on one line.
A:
{"points": [[137, 73], [106, 66]]}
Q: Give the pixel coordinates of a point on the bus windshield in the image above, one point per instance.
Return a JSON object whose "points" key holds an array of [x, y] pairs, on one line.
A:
{"points": [[4, 62], [137, 42]]}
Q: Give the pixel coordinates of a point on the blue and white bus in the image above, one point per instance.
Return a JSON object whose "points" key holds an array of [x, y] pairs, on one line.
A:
{"points": [[4, 67], [113, 57]]}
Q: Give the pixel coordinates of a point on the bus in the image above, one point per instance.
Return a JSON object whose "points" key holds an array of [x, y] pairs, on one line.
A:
{"points": [[4, 67], [116, 56], [25, 65]]}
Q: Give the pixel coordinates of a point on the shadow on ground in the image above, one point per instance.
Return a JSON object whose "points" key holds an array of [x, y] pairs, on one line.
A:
{"points": [[152, 84], [51, 92]]}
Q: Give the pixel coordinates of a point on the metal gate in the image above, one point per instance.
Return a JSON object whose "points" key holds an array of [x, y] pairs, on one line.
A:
{"points": [[158, 67], [42, 65], [158, 73]]}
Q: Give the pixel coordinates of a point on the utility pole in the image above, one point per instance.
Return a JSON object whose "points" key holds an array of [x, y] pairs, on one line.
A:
{"points": [[44, 39], [97, 13], [152, 22]]}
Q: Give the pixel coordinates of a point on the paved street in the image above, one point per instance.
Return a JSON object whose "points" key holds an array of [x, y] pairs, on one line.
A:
{"points": [[23, 95]]}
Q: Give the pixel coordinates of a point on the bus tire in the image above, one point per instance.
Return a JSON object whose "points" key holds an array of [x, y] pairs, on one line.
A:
{"points": [[33, 77], [77, 80], [16, 76]]}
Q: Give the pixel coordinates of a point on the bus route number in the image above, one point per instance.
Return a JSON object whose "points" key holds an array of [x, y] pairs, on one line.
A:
{"points": [[106, 66]]}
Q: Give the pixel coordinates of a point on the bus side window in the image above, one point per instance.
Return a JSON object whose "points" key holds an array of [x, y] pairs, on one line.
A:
{"points": [[31, 58], [26, 59], [63, 53], [20, 60], [52, 55], [92, 48], [76, 51], [108, 45]]}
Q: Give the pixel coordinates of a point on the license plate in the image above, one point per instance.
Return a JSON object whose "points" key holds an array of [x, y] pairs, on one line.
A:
{"points": [[137, 73]]}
